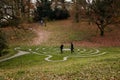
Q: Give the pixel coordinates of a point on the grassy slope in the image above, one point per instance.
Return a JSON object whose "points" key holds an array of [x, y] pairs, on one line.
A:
{"points": [[67, 31], [34, 67], [17, 37]]}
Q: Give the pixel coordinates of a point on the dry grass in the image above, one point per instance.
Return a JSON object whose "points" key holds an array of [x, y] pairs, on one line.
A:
{"points": [[82, 34], [64, 31]]}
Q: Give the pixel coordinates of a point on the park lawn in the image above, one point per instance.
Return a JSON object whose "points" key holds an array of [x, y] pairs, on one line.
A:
{"points": [[32, 66]]}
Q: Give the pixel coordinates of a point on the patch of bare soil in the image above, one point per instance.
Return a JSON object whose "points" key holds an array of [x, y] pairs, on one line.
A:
{"points": [[42, 35]]}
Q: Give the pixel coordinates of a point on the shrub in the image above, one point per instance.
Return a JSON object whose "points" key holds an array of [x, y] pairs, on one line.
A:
{"points": [[61, 13], [3, 43]]}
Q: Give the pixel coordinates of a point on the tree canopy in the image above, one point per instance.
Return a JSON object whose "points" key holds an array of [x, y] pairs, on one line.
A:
{"points": [[46, 10], [103, 13]]}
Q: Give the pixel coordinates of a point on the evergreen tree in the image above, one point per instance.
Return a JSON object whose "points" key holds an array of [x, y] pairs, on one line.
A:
{"points": [[44, 10]]}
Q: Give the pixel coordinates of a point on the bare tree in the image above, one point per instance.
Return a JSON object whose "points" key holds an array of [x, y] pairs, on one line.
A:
{"points": [[78, 7], [103, 13]]}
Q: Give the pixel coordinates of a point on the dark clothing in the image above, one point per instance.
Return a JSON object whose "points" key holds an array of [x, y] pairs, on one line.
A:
{"points": [[61, 48], [72, 48]]}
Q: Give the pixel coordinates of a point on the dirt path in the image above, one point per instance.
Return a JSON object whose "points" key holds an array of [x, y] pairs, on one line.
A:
{"points": [[42, 35]]}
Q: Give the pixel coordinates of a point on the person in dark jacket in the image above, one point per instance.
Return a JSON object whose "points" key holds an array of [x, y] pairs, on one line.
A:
{"points": [[72, 47], [61, 48]]}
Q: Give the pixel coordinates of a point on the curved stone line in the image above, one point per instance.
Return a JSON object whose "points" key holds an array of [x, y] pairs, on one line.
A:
{"points": [[83, 50], [17, 48], [49, 56], [66, 57], [90, 51], [20, 53], [37, 49], [97, 51]]}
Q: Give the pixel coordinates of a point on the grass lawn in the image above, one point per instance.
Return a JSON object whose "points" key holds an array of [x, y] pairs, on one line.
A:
{"points": [[33, 66], [86, 63]]}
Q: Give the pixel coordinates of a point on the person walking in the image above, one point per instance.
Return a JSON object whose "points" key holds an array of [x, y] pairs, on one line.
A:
{"points": [[72, 47], [61, 48]]}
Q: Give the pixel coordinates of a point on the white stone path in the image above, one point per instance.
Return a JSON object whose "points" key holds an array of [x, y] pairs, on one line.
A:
{"points": [[20, 53], [66, 57]]}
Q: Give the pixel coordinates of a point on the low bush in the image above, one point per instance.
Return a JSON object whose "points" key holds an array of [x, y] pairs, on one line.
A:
{"points": [[3, 43]]}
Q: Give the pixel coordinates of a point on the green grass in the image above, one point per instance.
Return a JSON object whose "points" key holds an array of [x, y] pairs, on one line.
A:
{"points": [[11, 52], [32, 66]]}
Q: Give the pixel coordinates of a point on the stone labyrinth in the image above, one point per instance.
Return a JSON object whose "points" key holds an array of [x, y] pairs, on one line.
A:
{"points": [[52, 52]]}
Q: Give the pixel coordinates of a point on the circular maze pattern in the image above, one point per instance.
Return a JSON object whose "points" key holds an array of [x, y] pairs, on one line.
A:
{"points": [[52, 53], [78, 53]]}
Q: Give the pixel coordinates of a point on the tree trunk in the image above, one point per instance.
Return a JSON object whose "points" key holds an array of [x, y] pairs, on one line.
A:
{"points": [[101, 28], [76, 7], [29, 8], [102, 32], [63, 4], [0, 54], [77, 17], [56, 4]]}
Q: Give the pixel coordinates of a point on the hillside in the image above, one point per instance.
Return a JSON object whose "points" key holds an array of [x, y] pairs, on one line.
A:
{"points": [[81, 34], [35, 53]]}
